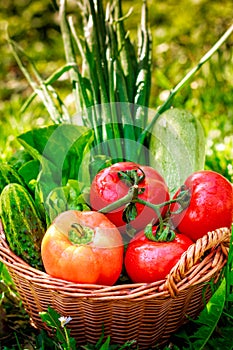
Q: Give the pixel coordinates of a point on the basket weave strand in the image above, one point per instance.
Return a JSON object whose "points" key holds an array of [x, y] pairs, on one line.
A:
{"points": [[147, 313], [218, 241]]}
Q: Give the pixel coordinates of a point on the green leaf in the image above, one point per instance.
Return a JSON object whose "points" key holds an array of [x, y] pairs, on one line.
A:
{"points": [[60, 150], [209, 318], [106, 344], [177, 146], [29, 172], [129, 212], [228, 273], [5, 275], [51, 318], [35, 140], [19, 158]]}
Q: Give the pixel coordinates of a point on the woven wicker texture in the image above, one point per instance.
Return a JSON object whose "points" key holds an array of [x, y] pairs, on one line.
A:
{"points": [[147, 313]]}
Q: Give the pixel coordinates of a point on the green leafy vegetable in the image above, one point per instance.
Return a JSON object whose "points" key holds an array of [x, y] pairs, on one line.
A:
{"points": [[60, 150], [69, 197], [59, 147]]}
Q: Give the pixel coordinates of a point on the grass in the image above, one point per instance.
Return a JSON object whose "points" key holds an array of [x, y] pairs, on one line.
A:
{"points": [[181, 33]]}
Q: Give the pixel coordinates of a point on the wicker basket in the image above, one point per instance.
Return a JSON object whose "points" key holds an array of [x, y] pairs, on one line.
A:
{"points": [[147, 313]]}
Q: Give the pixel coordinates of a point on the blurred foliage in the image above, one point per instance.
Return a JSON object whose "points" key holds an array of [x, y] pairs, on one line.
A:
{"points": [[182, 33]]}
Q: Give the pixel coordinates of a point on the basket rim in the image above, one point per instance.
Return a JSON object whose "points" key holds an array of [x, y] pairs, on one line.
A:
{"points": [[188, 272]]}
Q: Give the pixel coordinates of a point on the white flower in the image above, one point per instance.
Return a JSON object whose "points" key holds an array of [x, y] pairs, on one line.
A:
{"points": [[64, 320]]}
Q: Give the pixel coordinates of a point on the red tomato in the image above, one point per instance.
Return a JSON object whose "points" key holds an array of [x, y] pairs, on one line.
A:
{"points": [[149, 261], [83, 247], [107, 187], [211, 204]]}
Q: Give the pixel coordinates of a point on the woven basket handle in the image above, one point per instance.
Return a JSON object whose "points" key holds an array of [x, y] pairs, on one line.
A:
{"points": [[217, 243]]}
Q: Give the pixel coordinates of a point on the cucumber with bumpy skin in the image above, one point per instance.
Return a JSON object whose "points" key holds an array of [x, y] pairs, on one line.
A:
{"points": [[9, 175], [177, 146], [22, 224]]}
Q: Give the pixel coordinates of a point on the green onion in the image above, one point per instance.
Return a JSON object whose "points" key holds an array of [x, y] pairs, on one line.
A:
{"points": [[111, 87]]}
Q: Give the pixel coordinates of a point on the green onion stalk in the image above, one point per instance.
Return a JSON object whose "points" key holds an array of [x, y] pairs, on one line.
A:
{"points": [[112, 91], [111, 87]]}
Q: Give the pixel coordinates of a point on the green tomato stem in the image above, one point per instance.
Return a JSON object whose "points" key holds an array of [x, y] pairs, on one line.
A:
{"points": [[164, 232], [132, 197], [80, 234], [129, 197]]}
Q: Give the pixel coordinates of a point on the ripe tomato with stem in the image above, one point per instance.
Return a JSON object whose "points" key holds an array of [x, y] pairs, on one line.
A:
{"points": [[83, 247], [210, 206], [150, 258], [120, 191]]}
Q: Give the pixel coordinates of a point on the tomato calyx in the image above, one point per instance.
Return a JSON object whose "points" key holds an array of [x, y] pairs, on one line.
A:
{"points": [[183, 199], [163, 233], [132, 177], [80, 234]]}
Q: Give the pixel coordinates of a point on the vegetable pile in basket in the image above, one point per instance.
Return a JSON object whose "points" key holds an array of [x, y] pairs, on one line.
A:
{"points": [[130, 223], [116, 192]]}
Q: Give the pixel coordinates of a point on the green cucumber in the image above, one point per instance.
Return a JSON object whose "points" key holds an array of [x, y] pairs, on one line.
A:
{"points": [[22, 224], [9, 175], [177, 146]]}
